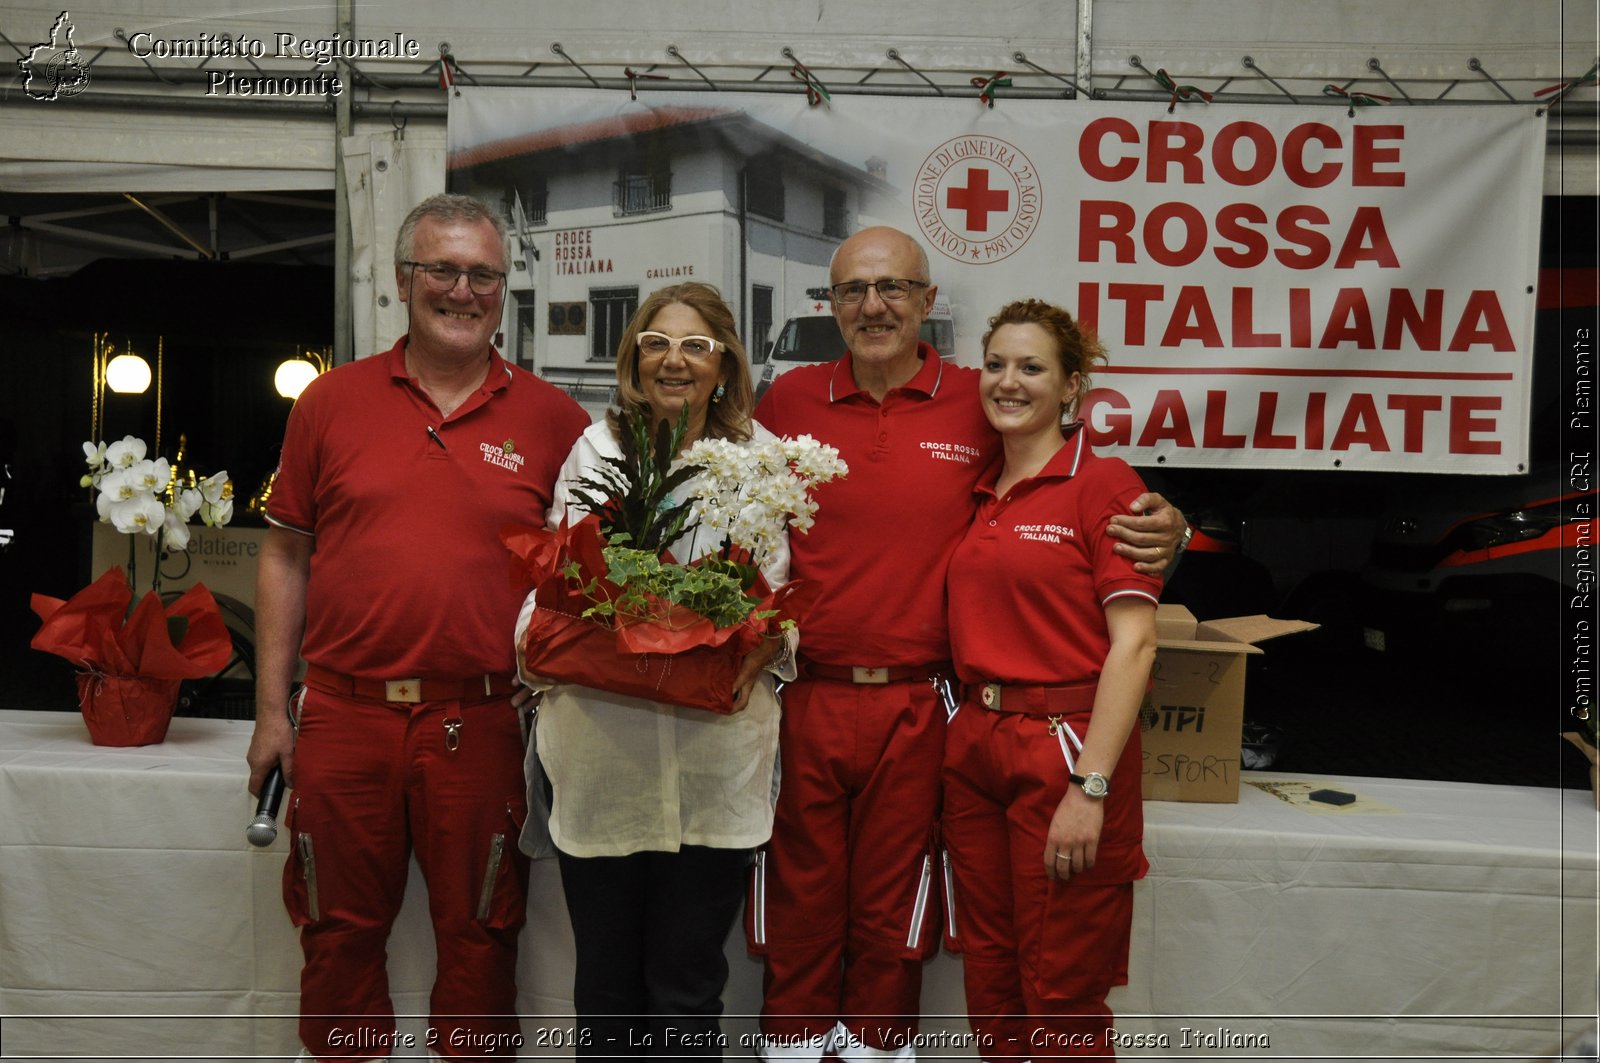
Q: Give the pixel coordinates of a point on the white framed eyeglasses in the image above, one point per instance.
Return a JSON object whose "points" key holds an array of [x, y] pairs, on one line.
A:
{"points": [[658, 344]]}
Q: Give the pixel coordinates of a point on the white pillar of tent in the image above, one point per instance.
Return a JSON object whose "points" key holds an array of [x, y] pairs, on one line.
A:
{"points": [[385, 175]]}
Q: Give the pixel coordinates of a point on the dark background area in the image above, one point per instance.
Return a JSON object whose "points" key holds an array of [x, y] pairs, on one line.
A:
{"points": [[222, 328], [1295, 542]]}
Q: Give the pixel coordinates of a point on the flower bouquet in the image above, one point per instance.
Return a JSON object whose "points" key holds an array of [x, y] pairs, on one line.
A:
{"points": [[132, 663], [617, 612], [152, 496]]}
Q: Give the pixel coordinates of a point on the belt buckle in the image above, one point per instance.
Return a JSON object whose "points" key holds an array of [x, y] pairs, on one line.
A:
{"points": [[990, 696], [403, 691], [858, 674]]}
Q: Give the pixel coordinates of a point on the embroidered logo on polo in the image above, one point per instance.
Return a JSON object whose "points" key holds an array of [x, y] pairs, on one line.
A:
{"points": [[504, 455], [960, 452], [1044, 533]]}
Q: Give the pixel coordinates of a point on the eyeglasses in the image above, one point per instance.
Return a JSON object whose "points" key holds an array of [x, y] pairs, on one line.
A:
{"points": [[890, 289], [657, 344], [442, 278]]}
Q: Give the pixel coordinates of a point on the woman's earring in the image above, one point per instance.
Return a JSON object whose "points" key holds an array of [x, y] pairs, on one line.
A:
{"points": [[716, 396]]}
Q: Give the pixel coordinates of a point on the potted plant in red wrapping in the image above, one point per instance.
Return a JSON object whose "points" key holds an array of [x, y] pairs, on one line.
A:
{"points": [[132, 663], [616, 611]]}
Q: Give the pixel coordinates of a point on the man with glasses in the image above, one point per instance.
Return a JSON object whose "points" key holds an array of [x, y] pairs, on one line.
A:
{"points": [[845, 897], [383, 569]]}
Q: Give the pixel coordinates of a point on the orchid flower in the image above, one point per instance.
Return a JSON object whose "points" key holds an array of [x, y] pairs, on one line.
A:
{"points": [[129, 489], [216, 493], [124, 452], [141, 513], [752, 490], [175, 531], [150, 475], [187, 502]]}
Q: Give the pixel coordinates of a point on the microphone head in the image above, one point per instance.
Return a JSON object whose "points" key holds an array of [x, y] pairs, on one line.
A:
{"points": [[263, 830]]}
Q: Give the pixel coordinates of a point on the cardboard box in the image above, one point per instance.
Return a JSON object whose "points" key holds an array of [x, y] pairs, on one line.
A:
{"points": [[1192, 721]]}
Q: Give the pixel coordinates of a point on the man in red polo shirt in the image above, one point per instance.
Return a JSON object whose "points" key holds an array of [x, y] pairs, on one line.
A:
{"points": [[383, 568], [842, 908]]}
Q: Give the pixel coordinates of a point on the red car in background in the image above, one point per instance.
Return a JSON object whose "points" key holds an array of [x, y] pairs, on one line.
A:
{"points": [[1478, 568]]}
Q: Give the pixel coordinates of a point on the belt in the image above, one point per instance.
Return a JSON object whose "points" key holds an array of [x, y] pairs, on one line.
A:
{"points": [[894, 673], [1031, 700], [409, 691]]}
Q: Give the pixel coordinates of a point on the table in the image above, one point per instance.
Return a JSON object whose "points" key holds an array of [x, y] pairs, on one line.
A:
{"points": [[1428, 919]]}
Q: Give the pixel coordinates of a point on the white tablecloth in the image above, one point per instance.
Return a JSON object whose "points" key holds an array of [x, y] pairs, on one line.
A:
{"points": [[1428, 919]]}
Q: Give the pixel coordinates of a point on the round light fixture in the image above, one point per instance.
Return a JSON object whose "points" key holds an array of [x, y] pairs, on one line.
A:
{"points": [[128, 374], [292, 376]]}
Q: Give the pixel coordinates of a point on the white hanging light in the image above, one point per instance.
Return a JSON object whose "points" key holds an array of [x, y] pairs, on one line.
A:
{"points": [[293, 375], [128, 374]]}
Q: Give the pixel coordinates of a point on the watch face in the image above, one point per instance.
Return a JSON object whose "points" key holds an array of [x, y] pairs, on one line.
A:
{"points": [[1094, 784]]}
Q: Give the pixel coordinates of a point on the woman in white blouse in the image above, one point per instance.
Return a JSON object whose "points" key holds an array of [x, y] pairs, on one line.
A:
{"points": [[656, 808]]}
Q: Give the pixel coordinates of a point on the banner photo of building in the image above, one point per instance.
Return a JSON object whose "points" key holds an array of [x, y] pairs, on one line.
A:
{"points": [[1278, 287]]}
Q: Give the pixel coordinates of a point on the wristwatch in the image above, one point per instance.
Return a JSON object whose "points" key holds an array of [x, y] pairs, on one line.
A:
{"points": [[1094, 784]]}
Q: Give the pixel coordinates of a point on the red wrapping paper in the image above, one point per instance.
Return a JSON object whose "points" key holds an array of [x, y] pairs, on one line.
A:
{"points": [[678, 657], [131, 666], [126, 710]]}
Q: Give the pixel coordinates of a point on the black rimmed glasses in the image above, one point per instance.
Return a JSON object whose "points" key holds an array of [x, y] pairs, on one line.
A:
{"points": [[890, 289], [443, 278], [657, 344]]}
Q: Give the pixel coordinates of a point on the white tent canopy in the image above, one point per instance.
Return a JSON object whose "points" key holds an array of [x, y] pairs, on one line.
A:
{"points": [[147, 122]]}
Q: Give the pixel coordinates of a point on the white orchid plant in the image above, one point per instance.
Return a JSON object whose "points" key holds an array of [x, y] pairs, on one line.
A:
{"points": [[138, 494], [750, 491], [745, 492]]}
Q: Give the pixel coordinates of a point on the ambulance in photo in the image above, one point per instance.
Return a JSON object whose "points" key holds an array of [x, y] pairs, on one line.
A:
{"points": [[811, 335]]}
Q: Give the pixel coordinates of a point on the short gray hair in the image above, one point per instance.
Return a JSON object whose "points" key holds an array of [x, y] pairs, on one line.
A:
{"points": [[448, 207]]}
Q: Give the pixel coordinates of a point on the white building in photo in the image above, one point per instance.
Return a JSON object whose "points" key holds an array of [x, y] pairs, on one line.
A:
{"points": [[606, 211]]}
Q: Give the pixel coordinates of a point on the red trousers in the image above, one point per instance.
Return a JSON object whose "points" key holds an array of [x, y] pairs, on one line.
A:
{"points": [[845, 902], [372, 783], [1038, 955]]}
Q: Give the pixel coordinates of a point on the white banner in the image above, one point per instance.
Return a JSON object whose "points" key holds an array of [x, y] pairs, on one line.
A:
{"points": [[1278, 287]]}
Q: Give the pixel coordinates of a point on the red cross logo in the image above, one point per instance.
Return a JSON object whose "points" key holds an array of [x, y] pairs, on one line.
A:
{"points": [[977, 199], [404, 691]]}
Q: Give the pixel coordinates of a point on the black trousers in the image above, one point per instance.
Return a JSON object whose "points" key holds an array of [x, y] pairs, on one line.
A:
{"points": [[650, 930]]}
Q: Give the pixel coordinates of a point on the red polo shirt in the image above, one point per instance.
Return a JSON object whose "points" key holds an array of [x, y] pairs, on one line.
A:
{"points": [[408, 575], [884, 534], [1029, 582]]}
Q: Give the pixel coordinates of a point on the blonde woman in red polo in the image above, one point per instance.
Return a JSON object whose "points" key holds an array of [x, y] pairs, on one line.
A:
{"points": [[1053, 636]]}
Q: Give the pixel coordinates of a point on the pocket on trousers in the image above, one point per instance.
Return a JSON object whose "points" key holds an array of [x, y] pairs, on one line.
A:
{"points": [[923, 931], [947, 888], [300, 895], [755, 907], [502, 890]]}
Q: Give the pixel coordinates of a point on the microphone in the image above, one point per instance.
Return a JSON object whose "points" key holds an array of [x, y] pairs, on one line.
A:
{"points": [[264, 828]]}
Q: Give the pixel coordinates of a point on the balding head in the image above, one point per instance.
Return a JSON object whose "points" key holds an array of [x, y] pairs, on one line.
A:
{"points": [[882, 334], [886, 235]]}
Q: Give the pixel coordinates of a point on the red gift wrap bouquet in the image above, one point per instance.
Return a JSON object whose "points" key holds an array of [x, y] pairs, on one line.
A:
{"points": [[132, 665], [664, 652]]}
